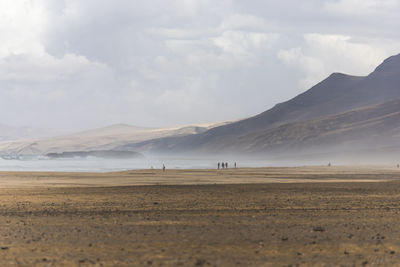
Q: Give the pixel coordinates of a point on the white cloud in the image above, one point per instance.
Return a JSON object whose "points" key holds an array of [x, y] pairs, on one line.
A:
{"points": [[243, 22], [323, 54], [361, 7], [28, 68], [22, 24], [161, 62], [313, 68]]}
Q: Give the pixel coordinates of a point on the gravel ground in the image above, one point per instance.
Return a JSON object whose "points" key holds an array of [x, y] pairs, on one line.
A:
{"points": [[271, 224]]}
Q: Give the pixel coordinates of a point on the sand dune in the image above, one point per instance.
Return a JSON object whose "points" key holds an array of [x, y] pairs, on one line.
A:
{"points": [[98, 139]]}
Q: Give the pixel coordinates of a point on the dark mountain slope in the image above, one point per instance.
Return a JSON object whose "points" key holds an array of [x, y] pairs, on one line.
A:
{"points": [[372, 127], [337, 94], [318, 101]]}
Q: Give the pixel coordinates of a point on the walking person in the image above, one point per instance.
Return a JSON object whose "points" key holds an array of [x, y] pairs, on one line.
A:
{"points": [[223, 165], [218, 165], [235, 164], [163, 168]]}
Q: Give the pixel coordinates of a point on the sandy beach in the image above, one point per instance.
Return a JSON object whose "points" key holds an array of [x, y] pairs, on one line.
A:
{"points": [[303, 216], [200, 177]]}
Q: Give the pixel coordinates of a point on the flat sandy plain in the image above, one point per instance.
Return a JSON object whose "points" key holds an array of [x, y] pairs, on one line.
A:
{"points": [[304, 216]]}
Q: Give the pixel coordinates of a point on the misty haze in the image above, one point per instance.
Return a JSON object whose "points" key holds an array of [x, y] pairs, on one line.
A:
{"points": [[199, 133], [346, 119]]}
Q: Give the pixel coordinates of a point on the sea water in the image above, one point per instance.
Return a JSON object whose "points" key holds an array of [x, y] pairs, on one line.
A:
{"points": [[92, 164]]}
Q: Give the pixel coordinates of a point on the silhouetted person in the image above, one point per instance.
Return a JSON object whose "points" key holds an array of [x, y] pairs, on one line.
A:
{"points": [[218, 165], [226, 165], [163, 168], [329, 164], [223, 165], [235, 164], [398, 166]]}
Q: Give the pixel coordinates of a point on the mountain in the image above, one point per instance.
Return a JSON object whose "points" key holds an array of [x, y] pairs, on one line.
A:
{"points": [[106, 138], [372, 126], [334, 102], [337, 93], [341, 114]]}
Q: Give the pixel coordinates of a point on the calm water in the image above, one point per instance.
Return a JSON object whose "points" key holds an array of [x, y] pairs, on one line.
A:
{"points": [[106, 165]]}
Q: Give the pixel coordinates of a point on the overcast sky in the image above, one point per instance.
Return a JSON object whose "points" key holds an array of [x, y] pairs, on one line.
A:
{"points": [[77, 64]]}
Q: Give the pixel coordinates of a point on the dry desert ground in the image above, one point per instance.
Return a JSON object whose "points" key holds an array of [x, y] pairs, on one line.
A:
{"points": [[303, 216]]}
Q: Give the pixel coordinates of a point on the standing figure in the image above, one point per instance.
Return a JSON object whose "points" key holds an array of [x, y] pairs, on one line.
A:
{"points": [[223, 165], [218, 165], [226, 165], [235, 164], [163, 168]]}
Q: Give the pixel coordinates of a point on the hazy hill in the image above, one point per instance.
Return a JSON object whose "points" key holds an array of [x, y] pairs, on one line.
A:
{"points": [[341, 113], [318, 117], [106, 138]]}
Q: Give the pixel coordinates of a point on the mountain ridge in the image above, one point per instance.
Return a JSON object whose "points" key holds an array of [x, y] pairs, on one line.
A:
{"points": [[301, 123], [337, 94]]}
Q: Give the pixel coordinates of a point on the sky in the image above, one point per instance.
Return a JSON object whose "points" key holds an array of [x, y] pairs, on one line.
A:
{"points": [[73, 64]]}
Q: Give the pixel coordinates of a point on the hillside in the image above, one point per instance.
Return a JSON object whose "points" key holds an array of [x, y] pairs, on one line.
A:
{"points": [[333, 112], [341, 113], [336, 94], [106, 138]]}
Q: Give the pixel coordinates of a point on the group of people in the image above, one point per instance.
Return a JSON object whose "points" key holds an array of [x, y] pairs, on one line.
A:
{"points": [[224, 165]]}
